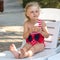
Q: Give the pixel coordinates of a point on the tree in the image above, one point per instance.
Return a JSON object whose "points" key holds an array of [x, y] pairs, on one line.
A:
{"points": [[45, 3]]}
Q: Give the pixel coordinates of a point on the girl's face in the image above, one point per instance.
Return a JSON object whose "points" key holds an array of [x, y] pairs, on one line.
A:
{"points": [[32, 13]]}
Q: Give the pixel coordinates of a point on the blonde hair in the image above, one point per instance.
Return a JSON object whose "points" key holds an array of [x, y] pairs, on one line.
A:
{"points": [[29, 5]]}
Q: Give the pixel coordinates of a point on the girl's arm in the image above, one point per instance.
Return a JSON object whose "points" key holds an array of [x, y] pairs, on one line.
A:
{"points": [[44, 30], [26, 30]]}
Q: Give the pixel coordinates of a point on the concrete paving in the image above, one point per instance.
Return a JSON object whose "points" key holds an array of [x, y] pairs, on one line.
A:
{"points": [[13, 14]]}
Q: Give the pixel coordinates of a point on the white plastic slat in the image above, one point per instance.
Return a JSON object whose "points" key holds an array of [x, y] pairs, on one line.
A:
{"points": [[53, 38]]}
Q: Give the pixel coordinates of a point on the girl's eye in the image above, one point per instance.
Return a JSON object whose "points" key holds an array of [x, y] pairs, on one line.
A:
{"points": [[36, 11], [31, 11]]}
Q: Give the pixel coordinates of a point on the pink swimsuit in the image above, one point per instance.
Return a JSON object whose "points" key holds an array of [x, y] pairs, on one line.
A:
{"points": [[35, 37]]}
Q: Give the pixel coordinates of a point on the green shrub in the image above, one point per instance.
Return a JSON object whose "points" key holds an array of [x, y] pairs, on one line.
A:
{"points": [[45, 3], [26, 1]]}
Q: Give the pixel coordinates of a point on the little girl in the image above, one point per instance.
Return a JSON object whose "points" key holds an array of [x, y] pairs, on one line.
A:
{"points": [[35, 31]]}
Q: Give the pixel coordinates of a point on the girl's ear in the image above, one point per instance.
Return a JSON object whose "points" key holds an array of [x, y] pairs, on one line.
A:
{"points": [[26, 14]]}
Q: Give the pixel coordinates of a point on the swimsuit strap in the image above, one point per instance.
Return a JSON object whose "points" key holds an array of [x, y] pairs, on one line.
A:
{"points": [[40, 21]]}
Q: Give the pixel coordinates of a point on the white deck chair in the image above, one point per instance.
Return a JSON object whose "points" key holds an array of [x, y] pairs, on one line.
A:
{"points": [[50, 49], [55, 57]]}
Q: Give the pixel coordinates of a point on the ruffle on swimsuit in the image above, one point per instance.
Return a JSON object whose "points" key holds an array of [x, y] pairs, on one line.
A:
{"points": [[34, 38]]}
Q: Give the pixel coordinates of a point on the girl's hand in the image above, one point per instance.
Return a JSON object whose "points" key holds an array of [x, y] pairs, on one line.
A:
{"points": [[37, 29]]}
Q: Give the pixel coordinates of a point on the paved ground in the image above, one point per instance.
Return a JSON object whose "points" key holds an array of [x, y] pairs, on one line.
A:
{"points": [[13, 14], [9, 35], [11, 21], [4, 46]]}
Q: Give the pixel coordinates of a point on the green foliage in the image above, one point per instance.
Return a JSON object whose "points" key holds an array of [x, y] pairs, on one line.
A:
{"points": [[45, 3]]}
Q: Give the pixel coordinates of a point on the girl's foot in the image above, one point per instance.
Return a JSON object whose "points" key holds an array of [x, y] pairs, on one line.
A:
{"points": [[23, 53], [13, 49]]}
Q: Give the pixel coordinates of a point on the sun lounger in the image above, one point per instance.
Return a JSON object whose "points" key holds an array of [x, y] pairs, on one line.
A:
{"points": [[50, 49], [55, 57]]}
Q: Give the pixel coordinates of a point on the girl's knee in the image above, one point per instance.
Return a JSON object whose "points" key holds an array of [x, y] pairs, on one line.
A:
{"points": [[30, 53], [38, 48], [42, 47]]}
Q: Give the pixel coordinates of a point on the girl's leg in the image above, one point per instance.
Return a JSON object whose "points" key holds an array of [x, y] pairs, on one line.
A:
{"points": [[20, 53], [25, 48], [34, 49], [13, 49]]}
